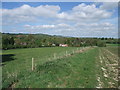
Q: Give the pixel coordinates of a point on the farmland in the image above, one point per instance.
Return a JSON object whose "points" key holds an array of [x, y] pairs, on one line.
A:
{"points": [[61, 67]]}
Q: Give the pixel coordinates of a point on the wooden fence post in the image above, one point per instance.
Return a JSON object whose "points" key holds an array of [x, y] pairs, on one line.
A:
{"points": [[73, 51], [54, 56], [49, 59], [77, 50], [32, 64], [66, 53]]}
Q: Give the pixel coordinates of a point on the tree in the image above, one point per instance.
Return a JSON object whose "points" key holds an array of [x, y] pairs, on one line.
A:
{"points": [[7, 42]]}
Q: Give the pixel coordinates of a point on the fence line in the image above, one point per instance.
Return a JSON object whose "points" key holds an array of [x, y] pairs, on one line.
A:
{"points": [[63, 55]]}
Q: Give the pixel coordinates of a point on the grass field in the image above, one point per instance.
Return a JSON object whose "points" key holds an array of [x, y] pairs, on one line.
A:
{"points": [[113, 45], [61, 67]]}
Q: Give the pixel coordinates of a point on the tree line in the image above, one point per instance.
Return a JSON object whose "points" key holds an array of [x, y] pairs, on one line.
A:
{"points": [[11, 41]]}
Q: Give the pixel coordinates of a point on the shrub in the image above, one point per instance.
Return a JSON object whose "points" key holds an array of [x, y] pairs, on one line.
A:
{"points": [[101, 44]]}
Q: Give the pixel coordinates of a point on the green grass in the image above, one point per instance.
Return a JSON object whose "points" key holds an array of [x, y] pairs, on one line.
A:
{"points": [[52, 72], [19, 60], [113, 49], [79, 70], [75, 71], [113, 45]]}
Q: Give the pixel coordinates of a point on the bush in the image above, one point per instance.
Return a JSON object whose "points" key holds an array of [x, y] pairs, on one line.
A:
{"points": [[101, 44]]}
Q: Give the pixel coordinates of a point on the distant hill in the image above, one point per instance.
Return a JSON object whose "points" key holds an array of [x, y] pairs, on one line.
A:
{"points": [[21, 40]]}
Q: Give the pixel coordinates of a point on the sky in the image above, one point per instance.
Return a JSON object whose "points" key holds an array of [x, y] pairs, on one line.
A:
{"points": [[76, 19]]}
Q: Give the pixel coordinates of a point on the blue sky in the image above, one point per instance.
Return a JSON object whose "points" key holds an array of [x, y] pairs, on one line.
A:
{"points": [[65, 6], [77, 19]]}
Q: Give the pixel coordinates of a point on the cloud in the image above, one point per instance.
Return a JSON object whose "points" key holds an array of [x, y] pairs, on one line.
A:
{"points": [[78, 27], [109, 5], [26, 10], [85, 13], [81, 20], [28, 13], [48, 27], [100, 25]]}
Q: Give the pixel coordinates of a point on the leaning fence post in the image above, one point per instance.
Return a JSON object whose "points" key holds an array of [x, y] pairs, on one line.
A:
{"points": [[32, 64]]}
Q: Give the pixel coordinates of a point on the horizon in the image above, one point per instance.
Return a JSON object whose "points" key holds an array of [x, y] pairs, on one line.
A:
{"points": [[75, 19], [57, 35]]}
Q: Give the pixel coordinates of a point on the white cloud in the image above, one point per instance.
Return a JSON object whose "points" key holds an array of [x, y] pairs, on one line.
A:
{"points": [[48, 27], [26, 10], [82, 19], [26, 13], [109, 5], [79, 26], [85, 13]]}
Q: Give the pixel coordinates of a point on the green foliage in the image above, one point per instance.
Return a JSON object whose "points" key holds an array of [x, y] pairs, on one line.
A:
{"points": [[11, 41], [7, 42], [101, 44]]}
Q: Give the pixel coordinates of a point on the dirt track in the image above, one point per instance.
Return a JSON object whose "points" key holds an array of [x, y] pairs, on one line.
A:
{"points": [[108, 66]]}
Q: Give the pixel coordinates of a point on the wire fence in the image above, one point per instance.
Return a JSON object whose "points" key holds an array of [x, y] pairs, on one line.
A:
{"points": [[56, 56]]}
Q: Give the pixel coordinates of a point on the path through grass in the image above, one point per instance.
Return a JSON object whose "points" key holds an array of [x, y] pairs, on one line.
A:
{"points": [[107, 62]]}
